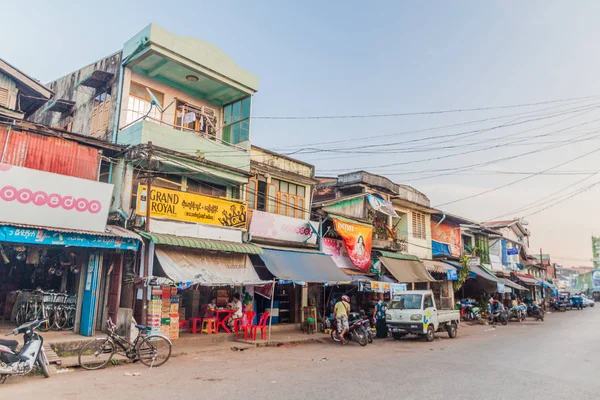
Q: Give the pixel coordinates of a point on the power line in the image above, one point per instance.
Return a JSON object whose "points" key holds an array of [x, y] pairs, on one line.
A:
{"points": [[436, 112], [577, 193], [518, 180]]}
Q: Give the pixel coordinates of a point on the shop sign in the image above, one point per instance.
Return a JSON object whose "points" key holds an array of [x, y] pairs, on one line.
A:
{"points": [[447, 234], [279, 227], [336, 249], [189, 207], [500, 287], [512, 251], [377, 286], [32, 197], [357, 239], [473, 261], [596, 279], [451, 275], [385, 207], [265, 291], [48, 237], [397, 287]]}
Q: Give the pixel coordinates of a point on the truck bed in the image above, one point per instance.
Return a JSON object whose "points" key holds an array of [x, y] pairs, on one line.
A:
{"points": [[448, 315]]}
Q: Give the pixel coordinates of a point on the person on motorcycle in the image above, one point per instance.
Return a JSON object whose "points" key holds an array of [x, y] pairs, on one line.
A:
{"points": [[341, 310]]}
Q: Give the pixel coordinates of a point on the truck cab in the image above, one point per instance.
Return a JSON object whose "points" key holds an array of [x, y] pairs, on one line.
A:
{"points": [[415, 312]]}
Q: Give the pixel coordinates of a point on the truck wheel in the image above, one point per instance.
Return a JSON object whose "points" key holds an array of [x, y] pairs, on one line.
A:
{"points": [[452, 331], [398, 336], [430, 335]]}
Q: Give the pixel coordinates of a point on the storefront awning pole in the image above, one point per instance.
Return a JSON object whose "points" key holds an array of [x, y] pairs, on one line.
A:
{"points": [[271, 313]]}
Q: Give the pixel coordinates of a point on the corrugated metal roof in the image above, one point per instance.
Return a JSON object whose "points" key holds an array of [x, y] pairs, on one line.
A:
{"points": [[204, 244], [111, 230], [398, 256]]}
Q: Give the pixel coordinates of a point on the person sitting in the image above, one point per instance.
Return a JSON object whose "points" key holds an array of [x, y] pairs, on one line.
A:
{"points": [[236, 306], [210, 308]]}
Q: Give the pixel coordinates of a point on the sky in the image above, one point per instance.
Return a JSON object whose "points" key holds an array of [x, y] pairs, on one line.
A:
{"points": [[353, 58]]}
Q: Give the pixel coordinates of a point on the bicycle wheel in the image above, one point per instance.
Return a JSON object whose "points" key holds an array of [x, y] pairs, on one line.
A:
{"points": [[96, 354], [154, 351], [69, 319], [60, 318]]}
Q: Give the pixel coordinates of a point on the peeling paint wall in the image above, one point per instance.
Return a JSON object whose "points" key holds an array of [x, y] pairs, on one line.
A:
{"points": [[83, 98]]}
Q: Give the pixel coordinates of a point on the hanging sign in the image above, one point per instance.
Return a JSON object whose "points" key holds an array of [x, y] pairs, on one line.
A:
{"points": [[336, 249], [500, 287], [451, 275], [397, 287], [182, 206], [357, 239], [264, 291], [377, 286], [473, 261], [512, 251], [32, 197], [385, 207]]}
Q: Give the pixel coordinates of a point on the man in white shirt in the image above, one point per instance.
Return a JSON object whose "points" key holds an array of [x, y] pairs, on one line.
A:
{"points": [[236, 306]]}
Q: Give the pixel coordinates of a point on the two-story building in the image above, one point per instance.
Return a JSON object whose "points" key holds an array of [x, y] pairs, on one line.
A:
{"points": [[54, 207]]}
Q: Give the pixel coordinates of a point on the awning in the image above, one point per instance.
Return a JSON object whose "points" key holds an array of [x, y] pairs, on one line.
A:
{"points": [[482, 273], [406, 270], [203, 244], [193, 267], [356, 276], [527, 279], [397, 256], [302, 266], [437, 266], [514, 285]]}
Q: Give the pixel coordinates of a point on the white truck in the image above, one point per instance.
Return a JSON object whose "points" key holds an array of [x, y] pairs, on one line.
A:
{"points": [[415, 312]]}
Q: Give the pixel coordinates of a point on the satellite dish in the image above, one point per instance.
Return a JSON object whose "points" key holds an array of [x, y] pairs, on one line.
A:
{"points": [[155, 101]]}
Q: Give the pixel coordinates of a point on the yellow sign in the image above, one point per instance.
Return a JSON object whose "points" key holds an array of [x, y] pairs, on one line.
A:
{"points": [[182, 206]]}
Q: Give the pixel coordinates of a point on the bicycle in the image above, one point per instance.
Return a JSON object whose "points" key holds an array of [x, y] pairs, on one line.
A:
{"points": [[151, 350]]}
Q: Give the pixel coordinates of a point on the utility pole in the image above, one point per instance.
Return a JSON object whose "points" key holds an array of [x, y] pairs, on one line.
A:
{"points": [[543, 275], [147, 229]]}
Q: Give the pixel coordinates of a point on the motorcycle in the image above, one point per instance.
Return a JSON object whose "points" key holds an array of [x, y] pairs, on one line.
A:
{"points": [[516, 313], [471, 313], [355, 331], [535, 312], [30, 356], [498, 314]]}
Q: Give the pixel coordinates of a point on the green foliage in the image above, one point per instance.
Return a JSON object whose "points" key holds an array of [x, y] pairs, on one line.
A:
{"points": [[463, 273]]}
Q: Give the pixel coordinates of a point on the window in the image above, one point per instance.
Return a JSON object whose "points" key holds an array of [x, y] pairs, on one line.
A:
{"points": [[236, 123], [210, 189], [277, 197], [100, 114], [235, 192], [418, 225], [140, 102], [196, 118], [428, 302]]}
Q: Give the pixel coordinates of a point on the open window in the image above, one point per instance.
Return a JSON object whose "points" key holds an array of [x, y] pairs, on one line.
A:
{"points": [[140, 104], [196, 118]]}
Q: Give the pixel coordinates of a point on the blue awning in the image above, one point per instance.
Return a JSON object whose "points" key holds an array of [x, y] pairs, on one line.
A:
{"points": [[439, 249], [302, 266], [476, 272]]}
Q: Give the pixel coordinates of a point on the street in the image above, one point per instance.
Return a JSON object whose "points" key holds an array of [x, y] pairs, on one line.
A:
{"points": [[551, 359]]}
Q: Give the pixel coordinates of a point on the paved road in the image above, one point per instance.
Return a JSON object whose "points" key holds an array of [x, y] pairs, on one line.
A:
{"points": [[555, 359]]}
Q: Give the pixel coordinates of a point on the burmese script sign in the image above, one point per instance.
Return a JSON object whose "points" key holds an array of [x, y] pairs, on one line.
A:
{"points": [[182, 206]]}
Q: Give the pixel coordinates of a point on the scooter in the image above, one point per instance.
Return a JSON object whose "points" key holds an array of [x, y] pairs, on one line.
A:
{"points": [[472, 313], [30, 356], [536, 312], [516, 313], [366, 326], [498, 314], [355, 330]]}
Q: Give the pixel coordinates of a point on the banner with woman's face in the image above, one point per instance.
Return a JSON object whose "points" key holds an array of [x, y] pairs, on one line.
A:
{"points": [[357, 239]]}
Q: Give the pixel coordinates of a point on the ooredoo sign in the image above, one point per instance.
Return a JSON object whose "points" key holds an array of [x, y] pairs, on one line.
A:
{"points": [[32, 197]]}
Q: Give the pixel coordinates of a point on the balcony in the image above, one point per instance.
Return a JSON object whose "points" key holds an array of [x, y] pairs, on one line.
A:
{"points": [[193, 66], [189, 142]]}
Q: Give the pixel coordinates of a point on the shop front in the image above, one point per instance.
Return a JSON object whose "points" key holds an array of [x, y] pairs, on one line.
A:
{"points": [[58, 258]]}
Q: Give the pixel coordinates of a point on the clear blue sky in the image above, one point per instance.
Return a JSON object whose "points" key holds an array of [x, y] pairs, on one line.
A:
{"points": [[355, 57]]}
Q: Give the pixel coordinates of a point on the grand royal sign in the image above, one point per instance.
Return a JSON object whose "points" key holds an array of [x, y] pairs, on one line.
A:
{"points": [[189, 207]]}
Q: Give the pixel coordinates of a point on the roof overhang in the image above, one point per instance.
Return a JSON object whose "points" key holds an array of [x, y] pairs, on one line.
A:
{"points": [[33, 93]]}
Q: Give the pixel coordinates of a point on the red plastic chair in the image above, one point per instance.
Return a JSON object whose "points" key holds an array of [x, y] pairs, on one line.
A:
{"points": [[262, 325], [244, 323]]}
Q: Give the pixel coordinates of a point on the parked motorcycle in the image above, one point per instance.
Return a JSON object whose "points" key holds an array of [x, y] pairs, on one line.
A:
{"points": [[535, 311], [355, 332], [367, 328], [516, 313], [30, 356], [498, 314], [471, 313]]}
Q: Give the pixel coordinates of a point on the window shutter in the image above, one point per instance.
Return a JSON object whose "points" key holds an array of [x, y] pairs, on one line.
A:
{"points": [[272, 198], [252, 193], [4, 97]]}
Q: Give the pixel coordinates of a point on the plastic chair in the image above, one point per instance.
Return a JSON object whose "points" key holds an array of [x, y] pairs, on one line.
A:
{"points": [[262, 325], [194, 322], [243, 323], [209, 325]]}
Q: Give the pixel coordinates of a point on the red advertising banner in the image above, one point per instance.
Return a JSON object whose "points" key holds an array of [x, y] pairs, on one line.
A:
{"points": [[447, 233], [357, 239]]}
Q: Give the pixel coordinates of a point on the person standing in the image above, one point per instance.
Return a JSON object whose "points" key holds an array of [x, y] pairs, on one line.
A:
{"points": [[379, 316], [341, 310]]}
